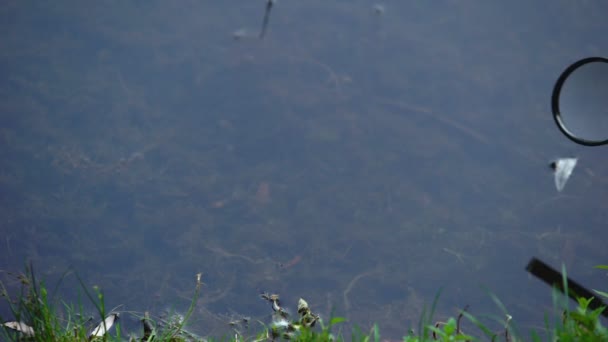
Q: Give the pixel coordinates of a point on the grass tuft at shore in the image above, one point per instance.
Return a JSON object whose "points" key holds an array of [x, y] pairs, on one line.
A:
{"points": [[38, 317]]}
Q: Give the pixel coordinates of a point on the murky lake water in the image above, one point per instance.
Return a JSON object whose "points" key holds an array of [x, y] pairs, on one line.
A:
{"points": [[360, 161]]}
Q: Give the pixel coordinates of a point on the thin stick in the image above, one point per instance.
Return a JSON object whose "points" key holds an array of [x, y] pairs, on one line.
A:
{"points": [[350, 286]]}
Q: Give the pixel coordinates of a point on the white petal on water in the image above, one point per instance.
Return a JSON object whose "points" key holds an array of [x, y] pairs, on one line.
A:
{"points": [[562, 170], [21, 327], [104, 326]]}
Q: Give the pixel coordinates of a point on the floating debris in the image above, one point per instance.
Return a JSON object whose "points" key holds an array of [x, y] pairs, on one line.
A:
{"points": [[244, 321], [276, 305], [303, 307], [307, 318], [20, 327], [378, 9], [148, 327], [242, 33], [562, 169], [104, 326], [283, 328], [273, 298], [281, 323]]}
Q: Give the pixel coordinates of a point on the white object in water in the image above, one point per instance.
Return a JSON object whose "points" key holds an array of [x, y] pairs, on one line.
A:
{"points": [[562, 169], [104, 326], [243, 33], [21, 327]]}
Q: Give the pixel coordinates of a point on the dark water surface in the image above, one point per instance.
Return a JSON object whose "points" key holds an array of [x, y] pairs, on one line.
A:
{"points": [[362, 162]]}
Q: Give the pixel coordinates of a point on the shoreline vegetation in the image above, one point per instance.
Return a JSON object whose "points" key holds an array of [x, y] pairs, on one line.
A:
{"points": [[39, 316]]}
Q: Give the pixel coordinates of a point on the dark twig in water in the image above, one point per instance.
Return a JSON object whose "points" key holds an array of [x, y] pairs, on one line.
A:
{"points": [[148, 328], [459, 318], [458, 330], [269, 4]]}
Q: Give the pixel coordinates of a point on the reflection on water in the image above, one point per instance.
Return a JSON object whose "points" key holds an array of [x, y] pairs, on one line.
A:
{"points": [[362, 162]]}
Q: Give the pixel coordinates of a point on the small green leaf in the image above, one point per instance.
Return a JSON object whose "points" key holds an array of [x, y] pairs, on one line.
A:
{"points": [[376, 333], [336, 320], [584, 303], [595, 314], [602, 267], [450, 327]]}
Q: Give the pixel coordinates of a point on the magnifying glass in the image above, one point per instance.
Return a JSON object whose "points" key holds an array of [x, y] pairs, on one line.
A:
{"points": [[580, 101]]}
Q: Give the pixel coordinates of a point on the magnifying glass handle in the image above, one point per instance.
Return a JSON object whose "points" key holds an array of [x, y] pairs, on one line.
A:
{"points": [[554, 278]]}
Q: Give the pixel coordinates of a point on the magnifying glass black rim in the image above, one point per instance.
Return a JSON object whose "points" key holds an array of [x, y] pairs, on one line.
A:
{"points": [[557, 89]]}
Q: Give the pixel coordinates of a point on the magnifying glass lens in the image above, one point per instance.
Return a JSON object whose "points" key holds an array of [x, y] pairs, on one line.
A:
{"points": [[580, 101], [584, 102]]}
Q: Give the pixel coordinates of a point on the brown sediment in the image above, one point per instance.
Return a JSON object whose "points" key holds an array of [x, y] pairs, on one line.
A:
{"points": [[262, 195]]}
